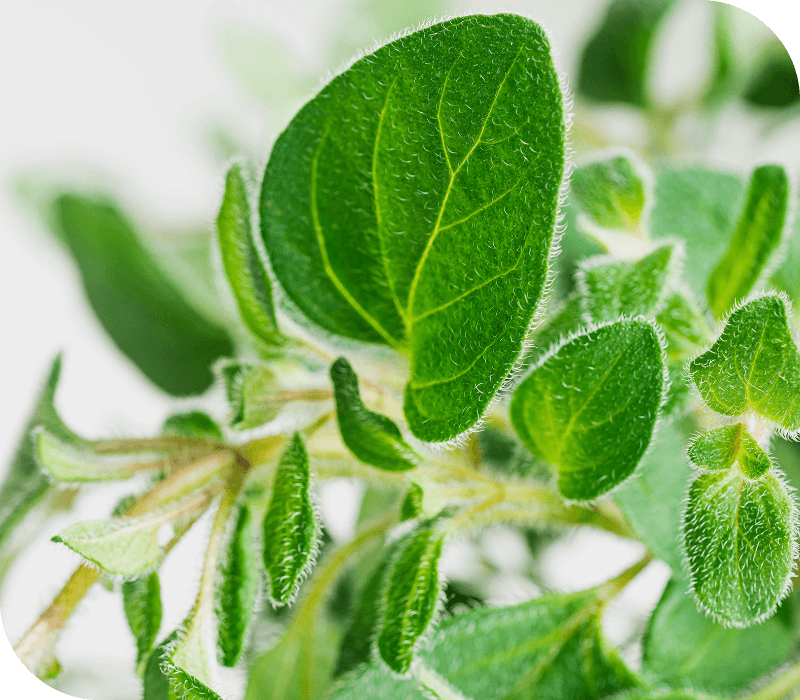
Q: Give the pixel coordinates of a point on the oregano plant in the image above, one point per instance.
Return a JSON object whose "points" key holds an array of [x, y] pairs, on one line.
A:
{"points": [[392, 318]]}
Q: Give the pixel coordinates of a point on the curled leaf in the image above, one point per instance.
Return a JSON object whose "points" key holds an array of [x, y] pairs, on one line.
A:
{"points": [[721, 448]]}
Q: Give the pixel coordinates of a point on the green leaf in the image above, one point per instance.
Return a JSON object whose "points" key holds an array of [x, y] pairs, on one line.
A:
{"points": [[184, 686], [237, 588], [549, 648], [26, 484], [614, 63], [755, 240], [411, 507], [787, 276], [565, 320], [653, 502], [140, 308], [775, 83], [428, 225], [156, 682], [193, 424], [291, 528], [683, 647], [685, 328], [410, 597], [721, 448], [142, 603], [610, 289], [373, 438], [190, 665], [612, 192], [590, 407], [252, 393], [664, 695], [754, 365], [245, 271], [741, 542], [377, 682]]}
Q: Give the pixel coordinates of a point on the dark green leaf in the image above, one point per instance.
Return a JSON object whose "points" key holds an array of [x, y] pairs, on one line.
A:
{"points": [[683, 647], [740, 539], [140, 308], [411, 507], [590, 407], [142, 602], [721, 448], [775, 83], [755, 240], [614, 63], [237, 588], [291, 529], [427, 226], [156, 682], [754, 365], [411, 594], [192, 424], [245, 271], [373, 438]]}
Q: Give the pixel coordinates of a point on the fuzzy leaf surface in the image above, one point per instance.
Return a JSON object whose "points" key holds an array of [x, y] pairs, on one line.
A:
{"points": [[427, 224], [291, 529], [611, 193], [611, 289], [685, 328], [754, 365], [237, 588], [145, 314], [373, 438], [192, 424], [377, 682], [591, 407], [721, 448], [683, 647], [755, 240], [245, 272], [740, 540], [410, 597], [142, 603], [252, 394]]}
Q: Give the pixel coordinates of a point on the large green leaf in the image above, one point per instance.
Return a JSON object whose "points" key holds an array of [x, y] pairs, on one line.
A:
{"points": [[140, 308], [754, 365], [683, 647], [426, 224], [614, 63], [740, 538], [373, 438], [755, 240], [775, 82], [590, 407]]}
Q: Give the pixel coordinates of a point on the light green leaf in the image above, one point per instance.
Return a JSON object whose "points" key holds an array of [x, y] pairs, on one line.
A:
{"points": [[590, 407], [411, 507], [252, 393], [184, 686], [428, 225], [741, 542], [237, 588], [291, 528], [245, 271], [685, 328], [193, 424], [683, 647], [410, 597], [190, 666], [755, 240], [142, 603], [377, 682], [754, 365], [563, 321], [614, 63], [653, 502], [610, 289], [664, 694], [139, 306], [549, 648], [787, 276], [721, 448], [373, 438], [612, 193]]}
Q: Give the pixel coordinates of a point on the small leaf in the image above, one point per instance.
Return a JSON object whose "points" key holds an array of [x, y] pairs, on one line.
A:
{"points": [[142, 603], [252, 393], [685, 328], [139, 306], [754, 365], [237, 588], [184, 686], [373, 438], [721, 448], [590, 407], [410, 597], [427, 226], [411, 507], [614, 64], [683, 647], [755, 240], [740, 540], [291, 529], [193, 424], [245, 271], [610, 289], [612, 193]]}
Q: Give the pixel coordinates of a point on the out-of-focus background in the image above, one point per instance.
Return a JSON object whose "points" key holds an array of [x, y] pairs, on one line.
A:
{"points": [[148, 101]]}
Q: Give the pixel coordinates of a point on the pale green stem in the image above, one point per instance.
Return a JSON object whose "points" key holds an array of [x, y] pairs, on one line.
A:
{"points": [[780, 687]]}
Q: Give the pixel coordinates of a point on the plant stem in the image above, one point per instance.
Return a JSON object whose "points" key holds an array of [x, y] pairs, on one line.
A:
{"points": [[779, 687]]}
